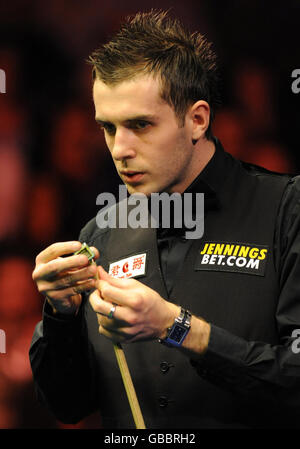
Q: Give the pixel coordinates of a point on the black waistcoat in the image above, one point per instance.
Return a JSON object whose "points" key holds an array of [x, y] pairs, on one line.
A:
{"points": [[224, 292]]}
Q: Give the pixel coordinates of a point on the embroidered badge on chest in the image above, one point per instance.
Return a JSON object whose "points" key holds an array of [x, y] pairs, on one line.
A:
{"points": [[232, 257], [133, 266]]}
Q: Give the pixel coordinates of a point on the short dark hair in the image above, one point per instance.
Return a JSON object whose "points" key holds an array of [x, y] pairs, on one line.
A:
{"points": [[154, 43]]}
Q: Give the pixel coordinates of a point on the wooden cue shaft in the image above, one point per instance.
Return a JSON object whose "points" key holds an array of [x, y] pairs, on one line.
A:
{"points": [[128, 384], [129, 387]]}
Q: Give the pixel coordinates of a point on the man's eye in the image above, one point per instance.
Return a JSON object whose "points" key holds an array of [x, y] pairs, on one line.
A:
{"points": [[140, 125], [110, 129]]}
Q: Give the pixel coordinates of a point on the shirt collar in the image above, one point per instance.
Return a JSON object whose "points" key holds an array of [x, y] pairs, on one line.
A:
{"points": [[210, 179]]}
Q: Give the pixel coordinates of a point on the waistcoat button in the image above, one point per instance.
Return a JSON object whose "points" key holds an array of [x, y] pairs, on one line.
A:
{"points": [[163, 401], [164, 367]]}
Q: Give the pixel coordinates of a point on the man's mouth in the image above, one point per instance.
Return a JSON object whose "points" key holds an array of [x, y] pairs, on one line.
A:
{"points": [[131, 177]]}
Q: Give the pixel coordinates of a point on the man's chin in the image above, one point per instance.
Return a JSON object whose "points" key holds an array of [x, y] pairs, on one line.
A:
{"points": [[139, 189]]}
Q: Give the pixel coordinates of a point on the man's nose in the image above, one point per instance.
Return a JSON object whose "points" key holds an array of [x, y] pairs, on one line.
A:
{"points": [[123, 145]]}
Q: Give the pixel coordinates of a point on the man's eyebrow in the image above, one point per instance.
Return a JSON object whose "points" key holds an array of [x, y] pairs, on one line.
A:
{"points": [[147, 117], [101, 122]]}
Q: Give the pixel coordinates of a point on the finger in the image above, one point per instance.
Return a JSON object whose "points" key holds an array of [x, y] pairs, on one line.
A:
{"points": [[113, 294], [121, 335], [104, 307], [53, 268], [115, 337], [103, 274], [71, 291], [120, 283], [96, 252], [69, 279], [98, 304], [57, 249]]}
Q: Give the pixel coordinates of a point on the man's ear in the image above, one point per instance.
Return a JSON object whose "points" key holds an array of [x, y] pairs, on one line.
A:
{"points": [[199, 116]]}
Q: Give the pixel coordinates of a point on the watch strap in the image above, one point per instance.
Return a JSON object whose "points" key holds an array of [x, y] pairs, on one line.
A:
{"points": [[179, 330]]}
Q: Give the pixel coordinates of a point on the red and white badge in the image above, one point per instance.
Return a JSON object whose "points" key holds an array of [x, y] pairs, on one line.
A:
{"points": [[129, 267]]}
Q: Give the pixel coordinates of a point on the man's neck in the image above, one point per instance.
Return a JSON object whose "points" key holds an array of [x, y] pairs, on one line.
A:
{"points": [[203, 152]]}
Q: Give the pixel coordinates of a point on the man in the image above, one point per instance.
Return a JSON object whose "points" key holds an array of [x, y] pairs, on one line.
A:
{"points": [[235, 289]]}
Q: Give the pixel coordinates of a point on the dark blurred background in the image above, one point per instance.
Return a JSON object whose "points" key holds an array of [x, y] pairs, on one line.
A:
{"points": [[53, 159]]}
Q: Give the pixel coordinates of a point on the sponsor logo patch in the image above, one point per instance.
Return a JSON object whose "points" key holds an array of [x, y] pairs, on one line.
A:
{"points": [[232, 257], [133, 266]]}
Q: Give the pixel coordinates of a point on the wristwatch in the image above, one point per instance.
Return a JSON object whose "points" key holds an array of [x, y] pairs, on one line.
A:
{"points": [[179, 330]]}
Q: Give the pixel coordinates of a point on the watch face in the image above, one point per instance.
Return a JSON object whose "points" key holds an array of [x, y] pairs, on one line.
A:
{"points": [[177, 333]]}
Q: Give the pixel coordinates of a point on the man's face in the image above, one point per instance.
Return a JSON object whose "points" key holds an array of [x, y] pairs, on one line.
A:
{"points": [[150, 151]]}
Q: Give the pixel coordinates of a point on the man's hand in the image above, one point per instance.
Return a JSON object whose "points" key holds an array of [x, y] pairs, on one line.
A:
{"points": [[141, 313], [63, 279]]}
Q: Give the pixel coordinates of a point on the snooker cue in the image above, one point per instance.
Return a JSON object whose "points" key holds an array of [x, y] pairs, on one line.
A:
{"points": [[128, 384]]}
